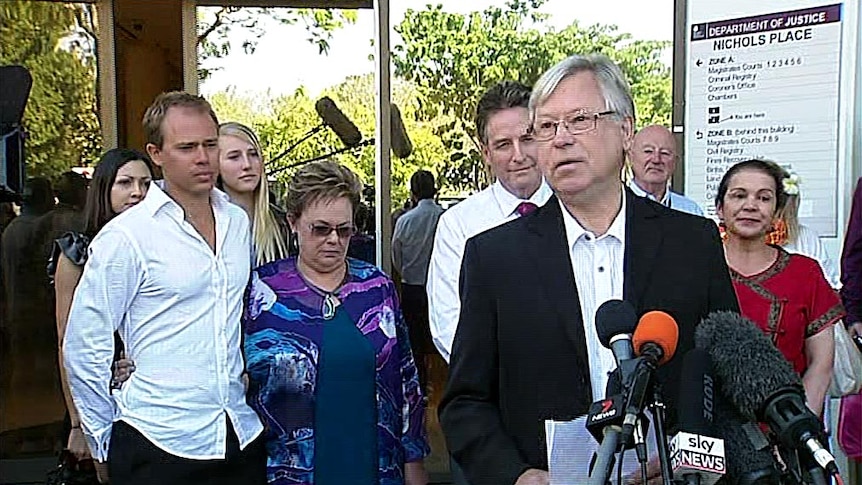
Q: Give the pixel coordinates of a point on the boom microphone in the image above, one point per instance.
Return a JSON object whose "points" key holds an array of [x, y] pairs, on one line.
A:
{"points": [[338, 121], [696, 455], [760, 383], [402, 147]]}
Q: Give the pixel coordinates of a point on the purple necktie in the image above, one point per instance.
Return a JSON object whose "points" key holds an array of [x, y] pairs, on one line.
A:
{"points": [[525, 208]]}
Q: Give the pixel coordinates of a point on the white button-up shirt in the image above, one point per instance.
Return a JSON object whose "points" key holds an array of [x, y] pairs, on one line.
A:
{"points": [[597, 263], [477, 213], [413, 240], [177, 306]]}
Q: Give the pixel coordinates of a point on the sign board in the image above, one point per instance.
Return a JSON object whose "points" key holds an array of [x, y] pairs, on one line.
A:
{"points": [[764, 82]]}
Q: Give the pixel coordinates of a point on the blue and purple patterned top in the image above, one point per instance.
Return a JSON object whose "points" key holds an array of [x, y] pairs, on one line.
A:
{"points": [[283, 330]]}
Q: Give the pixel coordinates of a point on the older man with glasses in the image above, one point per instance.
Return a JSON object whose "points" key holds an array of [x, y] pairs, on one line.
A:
{"points": [[526, 348]]}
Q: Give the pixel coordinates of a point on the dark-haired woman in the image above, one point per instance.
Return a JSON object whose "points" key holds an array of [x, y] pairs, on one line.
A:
{"points": [[120, 181], [785, 294]]}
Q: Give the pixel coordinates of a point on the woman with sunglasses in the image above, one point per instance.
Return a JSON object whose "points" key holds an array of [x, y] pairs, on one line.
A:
{"points": [[329, 362]]}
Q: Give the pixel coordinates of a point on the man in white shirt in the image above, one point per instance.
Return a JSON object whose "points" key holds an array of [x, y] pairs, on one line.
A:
{"points": [[412, 241], [653, 157], [502, 123], [526, 348], [169, 276]]}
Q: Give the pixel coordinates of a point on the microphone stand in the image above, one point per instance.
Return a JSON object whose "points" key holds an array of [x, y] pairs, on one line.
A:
{"points": [[657, 408], [306, 136], [362, 144]]}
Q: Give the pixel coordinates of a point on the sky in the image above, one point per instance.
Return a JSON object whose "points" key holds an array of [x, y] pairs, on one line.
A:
{"points": [[276, 69]]}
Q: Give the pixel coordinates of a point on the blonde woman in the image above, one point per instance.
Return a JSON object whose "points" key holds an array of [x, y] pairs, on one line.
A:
{"points": [[243, 178]]}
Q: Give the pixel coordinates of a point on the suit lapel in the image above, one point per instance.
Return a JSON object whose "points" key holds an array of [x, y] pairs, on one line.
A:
{"points": [[643, 239], [550, 253]]}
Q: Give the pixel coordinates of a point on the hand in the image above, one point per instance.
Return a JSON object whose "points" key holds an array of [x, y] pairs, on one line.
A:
{"points": [[77, 445], [653, 474], [102, 471], [414, 473], [855, 329], [534, 476], [123, 369]]}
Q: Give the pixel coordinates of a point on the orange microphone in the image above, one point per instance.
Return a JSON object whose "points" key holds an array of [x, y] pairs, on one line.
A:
{"points": [[656, 337], [654, 343]]}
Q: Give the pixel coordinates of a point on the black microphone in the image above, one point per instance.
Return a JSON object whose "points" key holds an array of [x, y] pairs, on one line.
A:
{"points": [[760, 383], [615, 323], [338, 121], [750, 459], [696, 454], [402, 147]]}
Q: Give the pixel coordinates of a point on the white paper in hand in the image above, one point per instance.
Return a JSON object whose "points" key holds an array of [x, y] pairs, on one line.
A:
{"points": [[571, 447]]}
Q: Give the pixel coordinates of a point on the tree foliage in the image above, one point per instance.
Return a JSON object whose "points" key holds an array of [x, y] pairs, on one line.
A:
{"points": [[283, 121], [61, 117], [215, 25], [453, 58]]}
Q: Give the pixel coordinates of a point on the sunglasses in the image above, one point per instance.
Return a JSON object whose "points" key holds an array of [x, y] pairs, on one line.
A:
{"points": [[324, 230]]}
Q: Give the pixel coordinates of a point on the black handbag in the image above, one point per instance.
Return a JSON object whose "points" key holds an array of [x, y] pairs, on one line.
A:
{"points": [[71, 471]]}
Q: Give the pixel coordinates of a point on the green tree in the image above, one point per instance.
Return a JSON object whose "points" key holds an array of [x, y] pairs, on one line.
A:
{"points": [[61, 114], [283, 121], [216, 23], [453, 58]]}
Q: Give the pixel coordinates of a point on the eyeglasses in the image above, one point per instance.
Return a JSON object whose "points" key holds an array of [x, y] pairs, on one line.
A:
{"points": [[574, 124], [324, 230]]}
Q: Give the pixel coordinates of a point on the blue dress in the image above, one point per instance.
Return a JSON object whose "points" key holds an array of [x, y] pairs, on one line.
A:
{"points": [[345, 417], [286, 345]]}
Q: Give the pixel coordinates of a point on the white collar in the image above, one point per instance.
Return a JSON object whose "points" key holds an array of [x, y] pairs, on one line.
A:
{"points": [[574, 229], [508, 202]]}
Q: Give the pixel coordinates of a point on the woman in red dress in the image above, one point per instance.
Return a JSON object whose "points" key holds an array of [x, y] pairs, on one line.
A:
{"points": [[785, 294]]}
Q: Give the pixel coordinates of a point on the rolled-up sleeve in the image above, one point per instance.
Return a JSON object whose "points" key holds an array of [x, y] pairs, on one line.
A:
{"points": [[110, 280]]}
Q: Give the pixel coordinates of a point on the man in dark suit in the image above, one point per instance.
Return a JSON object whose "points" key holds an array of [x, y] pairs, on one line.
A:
{"points": [[526, 349]]}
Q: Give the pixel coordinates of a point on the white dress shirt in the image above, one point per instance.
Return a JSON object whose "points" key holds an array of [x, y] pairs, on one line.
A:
{"points": [[597, 263], [671, 199], [413, 240], [477, 213], [177, 306], [808, 243]]}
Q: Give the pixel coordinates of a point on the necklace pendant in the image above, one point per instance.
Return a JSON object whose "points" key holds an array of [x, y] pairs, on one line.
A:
{"points": [[329, 307]]}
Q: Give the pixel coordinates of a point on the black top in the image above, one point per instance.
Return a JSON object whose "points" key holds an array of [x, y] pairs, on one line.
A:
{"points": [[520, 355], [74, 246]]}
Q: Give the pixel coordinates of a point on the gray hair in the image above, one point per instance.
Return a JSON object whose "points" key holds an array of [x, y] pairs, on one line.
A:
{"points": [[615, 89]]}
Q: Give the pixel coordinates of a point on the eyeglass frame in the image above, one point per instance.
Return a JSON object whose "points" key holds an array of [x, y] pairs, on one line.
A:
{"points": [[594, 116], [316, 230]]}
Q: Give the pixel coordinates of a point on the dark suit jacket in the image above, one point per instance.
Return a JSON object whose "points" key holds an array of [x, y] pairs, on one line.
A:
{"points": [[520, 355]]}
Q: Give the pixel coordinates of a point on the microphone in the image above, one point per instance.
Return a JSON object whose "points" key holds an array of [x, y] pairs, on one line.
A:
{"points": [[338, 121], [615, 322], [656, 337], [695, 455], [654, 340], [760, 383], [604, 422], [751, 461], [402, 147]]}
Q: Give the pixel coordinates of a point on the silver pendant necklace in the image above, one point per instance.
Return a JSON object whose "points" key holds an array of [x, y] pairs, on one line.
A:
{"points": [[330, 298]]}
